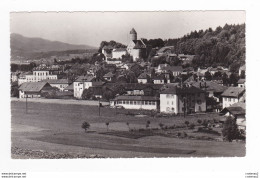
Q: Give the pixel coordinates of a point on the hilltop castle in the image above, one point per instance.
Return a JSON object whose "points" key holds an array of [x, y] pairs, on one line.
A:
{"points": [[135, 48]]}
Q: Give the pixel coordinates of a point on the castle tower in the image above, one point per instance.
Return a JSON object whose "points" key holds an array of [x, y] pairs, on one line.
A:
{"points": [[133, 34]]}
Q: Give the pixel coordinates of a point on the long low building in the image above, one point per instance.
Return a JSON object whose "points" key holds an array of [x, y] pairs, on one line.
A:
{"points": [[33, 89], [136, 102]]}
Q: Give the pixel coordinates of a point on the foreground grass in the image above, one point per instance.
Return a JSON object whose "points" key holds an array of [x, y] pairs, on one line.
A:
{"points": [[57, 127]]}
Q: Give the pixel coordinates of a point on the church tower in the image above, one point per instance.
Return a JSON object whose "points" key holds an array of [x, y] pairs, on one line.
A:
{"points": [[133, 34]]}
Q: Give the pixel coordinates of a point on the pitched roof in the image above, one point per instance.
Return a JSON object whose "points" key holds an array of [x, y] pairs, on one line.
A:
{"points": [[235, 109], [137, 98], [33, 86], [143, 76], [174, 68], [109, 74], [136, 86], [241, 81], [57, 81], [175, 89], [139, 44], [233, 92], [209, 86], [243, 67], [70, 87], [119, 49], [86, 78]]}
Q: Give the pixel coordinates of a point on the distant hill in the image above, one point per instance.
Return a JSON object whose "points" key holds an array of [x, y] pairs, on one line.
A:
{"points": [[25, 47]]}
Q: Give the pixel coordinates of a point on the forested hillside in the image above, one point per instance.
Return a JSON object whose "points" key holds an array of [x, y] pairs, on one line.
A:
{"points": [[222, 46]]}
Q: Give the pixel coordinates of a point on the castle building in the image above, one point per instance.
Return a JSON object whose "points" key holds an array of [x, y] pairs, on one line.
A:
{"points": [[136, 48]]}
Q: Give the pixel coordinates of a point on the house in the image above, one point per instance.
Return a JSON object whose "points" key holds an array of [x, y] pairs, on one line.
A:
{"points": [[109, 76], [33, 89], [161, 68], [232, 95], [70, 88], [14, 76], [96, 90], [211, 88], [117, 53], [241, 83], [241, 70], [177, 100], [136, 102], [61, 84], [159, 79], [175, 70], [107, 51], [165, 50], [82, 83], [143, 78], [238, 112], [38, 74]]}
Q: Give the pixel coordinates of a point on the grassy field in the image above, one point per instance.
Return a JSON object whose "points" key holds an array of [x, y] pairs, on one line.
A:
{"points": [[57, 128]]}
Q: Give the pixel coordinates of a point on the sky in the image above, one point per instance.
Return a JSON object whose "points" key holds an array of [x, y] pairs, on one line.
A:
{"points": [[90, 28]]}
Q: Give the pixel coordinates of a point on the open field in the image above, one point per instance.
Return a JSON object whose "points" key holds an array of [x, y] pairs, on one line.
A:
{"points": [[56, 129]]}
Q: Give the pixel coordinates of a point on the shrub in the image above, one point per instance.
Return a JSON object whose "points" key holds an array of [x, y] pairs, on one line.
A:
{"points": [[192, 126], [85, 125], [230, 130], [161, 125], [187, 123], [199, 121]]}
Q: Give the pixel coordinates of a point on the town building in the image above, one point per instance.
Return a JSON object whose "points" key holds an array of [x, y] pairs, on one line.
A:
{"points": [[177, 100], [143, 78], [241, 70], [36, 76], [61, 84], [238, 112], [241, 83], [82, 83], [136, 48], [117, 53], [136, 102], [33, 89], [232, 95], [109, 76]]}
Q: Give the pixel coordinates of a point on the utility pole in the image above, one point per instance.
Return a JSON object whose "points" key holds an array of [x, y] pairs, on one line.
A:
{"points": [[26, 105], [99, 106]]}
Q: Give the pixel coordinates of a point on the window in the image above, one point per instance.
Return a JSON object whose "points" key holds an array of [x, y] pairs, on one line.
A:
{"points": [[199, 101], [167, 102], [146, 102], [225, 99], [131, 102], [229, 99], [234, 100], [172, 102]]}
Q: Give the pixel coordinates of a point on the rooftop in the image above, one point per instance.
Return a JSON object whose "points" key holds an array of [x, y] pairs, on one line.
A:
{"points": [[233, 92], [175, 89], [137, 98], [33, 86]]}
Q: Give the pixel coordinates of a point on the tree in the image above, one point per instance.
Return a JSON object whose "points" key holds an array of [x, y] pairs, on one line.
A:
{"points": [[161, 125], [87, 94], [128, 126], [208, 76], [148, 124], [85, 125], [230, 130], [187, 123], [199, 121], [107, 124]]}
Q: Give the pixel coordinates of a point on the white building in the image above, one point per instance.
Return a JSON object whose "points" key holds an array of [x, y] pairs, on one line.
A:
{"points": [[174, 99], [136, 48], [241, 83], [136, 102], [118, 53], [33, 89], [232, 95], [36, 76], [61, 84], [82, 83]]}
